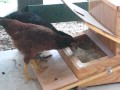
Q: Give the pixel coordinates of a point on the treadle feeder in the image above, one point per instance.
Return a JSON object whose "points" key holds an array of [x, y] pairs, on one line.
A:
{"points": [[89, 71]]}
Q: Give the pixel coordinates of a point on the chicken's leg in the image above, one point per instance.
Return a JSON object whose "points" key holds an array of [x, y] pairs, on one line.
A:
{"points": [[26, 72]]}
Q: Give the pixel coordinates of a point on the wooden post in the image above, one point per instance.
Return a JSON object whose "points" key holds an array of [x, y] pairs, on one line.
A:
{"points": [[22, 4]]}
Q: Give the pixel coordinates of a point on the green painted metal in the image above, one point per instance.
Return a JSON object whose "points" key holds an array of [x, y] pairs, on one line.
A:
{"points": [[23, 4], [56, 12]]}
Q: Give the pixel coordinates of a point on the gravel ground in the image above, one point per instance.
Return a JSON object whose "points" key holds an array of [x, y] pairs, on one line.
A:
{"points": [[72, 28], [5, 41]]}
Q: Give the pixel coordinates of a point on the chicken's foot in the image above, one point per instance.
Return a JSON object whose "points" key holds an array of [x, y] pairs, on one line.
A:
{"points": [[35, 65]]}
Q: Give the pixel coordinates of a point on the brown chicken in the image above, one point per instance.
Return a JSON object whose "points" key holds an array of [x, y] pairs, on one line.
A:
{"points": [[29, 17], [31, 39]]}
